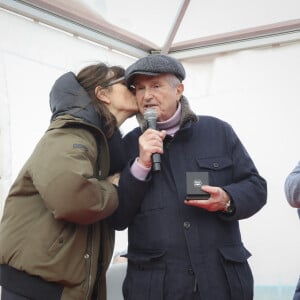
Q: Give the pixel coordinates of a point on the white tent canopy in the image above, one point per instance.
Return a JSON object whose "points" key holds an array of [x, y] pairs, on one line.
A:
{"points": [[182, 28]]}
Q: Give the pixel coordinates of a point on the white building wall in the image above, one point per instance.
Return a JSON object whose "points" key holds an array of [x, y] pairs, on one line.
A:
{"points": [[256, 91], [32, 57], [5, 139]]}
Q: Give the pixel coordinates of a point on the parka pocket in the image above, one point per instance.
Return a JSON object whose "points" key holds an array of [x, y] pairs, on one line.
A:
{"points": [[237, 270], [66, 232], [145, 277], [215, 163], [219, 168]]}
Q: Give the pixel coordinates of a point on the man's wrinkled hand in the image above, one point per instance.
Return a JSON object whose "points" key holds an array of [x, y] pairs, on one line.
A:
{"points": [[216, 202]]}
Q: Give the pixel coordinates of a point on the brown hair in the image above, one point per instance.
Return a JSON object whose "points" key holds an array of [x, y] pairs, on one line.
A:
{"points": [[100, 75]]}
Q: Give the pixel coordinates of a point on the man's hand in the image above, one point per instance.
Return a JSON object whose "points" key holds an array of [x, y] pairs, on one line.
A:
{"points": [[217, 202], [151, 141]]}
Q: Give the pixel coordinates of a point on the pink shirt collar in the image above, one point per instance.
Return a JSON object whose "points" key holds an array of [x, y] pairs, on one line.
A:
{"points": [[171, 125]]}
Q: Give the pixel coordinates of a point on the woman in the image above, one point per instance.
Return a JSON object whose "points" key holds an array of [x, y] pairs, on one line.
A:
{"points": [[54, 240]]}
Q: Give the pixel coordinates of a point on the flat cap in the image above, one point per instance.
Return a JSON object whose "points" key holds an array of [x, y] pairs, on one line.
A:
{"points": [[153, 65]]}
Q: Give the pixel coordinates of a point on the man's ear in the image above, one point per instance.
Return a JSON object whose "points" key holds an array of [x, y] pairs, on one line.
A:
{"points": [[179, 90], [101, 95]]}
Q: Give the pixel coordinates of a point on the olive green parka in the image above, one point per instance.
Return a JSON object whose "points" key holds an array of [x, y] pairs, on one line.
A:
{"points": [[53, 224]]}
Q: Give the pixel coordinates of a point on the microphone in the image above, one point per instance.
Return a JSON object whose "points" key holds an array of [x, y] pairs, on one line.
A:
{"points": [[150, 116]]}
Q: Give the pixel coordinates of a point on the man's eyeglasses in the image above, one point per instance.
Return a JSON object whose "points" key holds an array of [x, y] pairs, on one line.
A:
{"points": [[119, 80]]}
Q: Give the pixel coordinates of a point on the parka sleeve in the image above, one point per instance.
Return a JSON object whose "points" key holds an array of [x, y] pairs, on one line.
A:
{"points": [[64, 174], [292, 187]]}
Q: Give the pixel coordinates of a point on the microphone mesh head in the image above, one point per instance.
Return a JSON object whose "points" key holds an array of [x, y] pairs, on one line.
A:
{"points": [[150, 114]]}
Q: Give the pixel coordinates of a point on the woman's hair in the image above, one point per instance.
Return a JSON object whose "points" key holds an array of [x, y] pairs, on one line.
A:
{"points": [[100, 75]]}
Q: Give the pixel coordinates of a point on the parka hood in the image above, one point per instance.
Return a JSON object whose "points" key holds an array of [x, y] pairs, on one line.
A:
{"points": [[67, 96]]}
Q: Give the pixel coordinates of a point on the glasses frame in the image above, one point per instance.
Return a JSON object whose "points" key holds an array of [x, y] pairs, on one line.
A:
{"points": [[118, 80]]}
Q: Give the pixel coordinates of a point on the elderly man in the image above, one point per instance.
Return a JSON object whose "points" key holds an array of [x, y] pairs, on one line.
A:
{"points": [[181, 245]]}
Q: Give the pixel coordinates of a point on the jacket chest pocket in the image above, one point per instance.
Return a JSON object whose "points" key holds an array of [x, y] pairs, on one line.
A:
{"points": [[220, 169]]}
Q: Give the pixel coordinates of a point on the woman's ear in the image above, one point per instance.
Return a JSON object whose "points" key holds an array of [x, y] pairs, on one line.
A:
{"points": [[102, 95]]}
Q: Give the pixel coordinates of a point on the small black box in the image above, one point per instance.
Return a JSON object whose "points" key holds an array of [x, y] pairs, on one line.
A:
{"points": [[194, 181]]}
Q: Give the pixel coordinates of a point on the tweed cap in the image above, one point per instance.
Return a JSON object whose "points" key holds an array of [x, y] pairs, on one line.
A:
{"points": [[153, 65]]}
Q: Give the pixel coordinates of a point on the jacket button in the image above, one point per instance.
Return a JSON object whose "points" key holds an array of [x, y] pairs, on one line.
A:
{"points": [[190, 271], [86, 256], [186, 225], [216, 165]]}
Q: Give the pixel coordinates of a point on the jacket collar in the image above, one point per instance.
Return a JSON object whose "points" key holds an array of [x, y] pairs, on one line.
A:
{"points": [[187, 115]]}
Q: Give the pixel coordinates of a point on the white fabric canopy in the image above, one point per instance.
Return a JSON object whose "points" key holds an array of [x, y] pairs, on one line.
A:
{"points": [[182, 28]]}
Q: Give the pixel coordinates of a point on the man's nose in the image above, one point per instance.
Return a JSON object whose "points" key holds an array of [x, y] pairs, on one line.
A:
{"points": [[148, 93]]}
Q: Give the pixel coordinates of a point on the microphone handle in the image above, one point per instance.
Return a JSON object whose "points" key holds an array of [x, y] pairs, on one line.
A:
{"points": [[156, 162], [155, 156]]}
